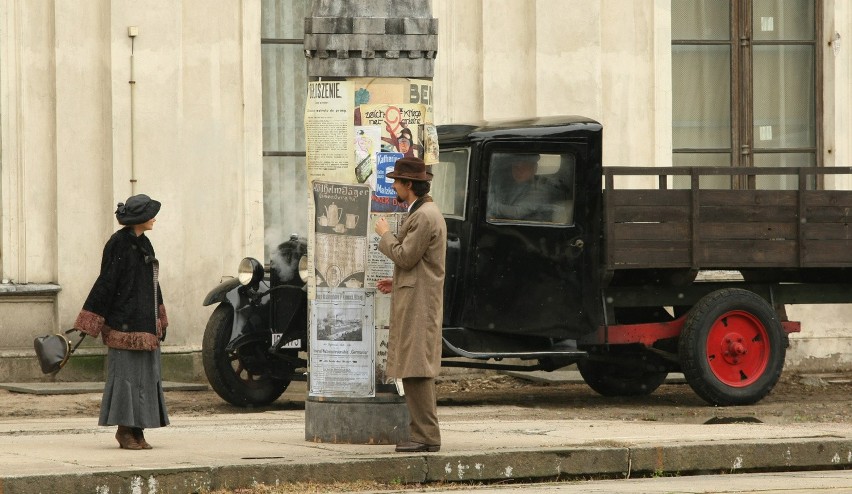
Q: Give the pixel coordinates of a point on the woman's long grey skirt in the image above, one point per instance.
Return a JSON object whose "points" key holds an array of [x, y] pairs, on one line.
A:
{"points": [[133, 394]]}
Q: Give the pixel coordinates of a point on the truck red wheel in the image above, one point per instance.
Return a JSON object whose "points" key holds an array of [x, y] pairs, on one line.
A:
{"points": [[737, 348], [732, 347]]}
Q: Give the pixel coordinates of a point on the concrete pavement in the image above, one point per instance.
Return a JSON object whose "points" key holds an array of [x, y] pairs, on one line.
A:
{"points": [[238, 450]]}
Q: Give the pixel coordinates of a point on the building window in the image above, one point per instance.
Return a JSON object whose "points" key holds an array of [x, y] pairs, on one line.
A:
{"points": [[746, 86], [284, 83]]}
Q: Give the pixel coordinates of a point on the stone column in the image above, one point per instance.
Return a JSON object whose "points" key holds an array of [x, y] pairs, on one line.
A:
{"points": [[344, 40]]}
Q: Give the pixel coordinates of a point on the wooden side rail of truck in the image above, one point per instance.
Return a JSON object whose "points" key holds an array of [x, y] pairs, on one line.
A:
{"points": [[727, 334], [716, 229]]}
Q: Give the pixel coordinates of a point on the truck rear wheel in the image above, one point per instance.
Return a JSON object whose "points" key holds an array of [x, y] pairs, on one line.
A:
{"points": [[732, 347], [615, 380], [233, 375]]}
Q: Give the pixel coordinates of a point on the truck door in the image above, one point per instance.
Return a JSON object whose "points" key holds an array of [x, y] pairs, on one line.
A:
{"points": [[531, 247]]}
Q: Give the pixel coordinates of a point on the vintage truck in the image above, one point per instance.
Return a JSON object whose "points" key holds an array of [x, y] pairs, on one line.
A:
{"points": [[628, 272]]}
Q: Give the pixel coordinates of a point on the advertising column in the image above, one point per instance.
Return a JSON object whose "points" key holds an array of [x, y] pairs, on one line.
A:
{"points": [[361, 115]]}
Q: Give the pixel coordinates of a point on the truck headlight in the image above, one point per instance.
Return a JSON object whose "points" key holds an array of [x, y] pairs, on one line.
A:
{"points": [[250, 271]]}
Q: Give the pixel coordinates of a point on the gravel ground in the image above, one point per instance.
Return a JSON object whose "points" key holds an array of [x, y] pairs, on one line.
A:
{"points": [[811, 398]]}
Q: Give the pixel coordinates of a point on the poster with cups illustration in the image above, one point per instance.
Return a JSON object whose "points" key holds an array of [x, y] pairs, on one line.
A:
{"points": [[340, 226]]}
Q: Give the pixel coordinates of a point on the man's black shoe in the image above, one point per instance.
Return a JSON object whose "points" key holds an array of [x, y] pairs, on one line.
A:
{"points": [[413, 447]]}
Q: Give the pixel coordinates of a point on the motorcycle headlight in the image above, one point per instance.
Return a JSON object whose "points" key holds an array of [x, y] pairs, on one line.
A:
{"points": [[303, 269], [250, 271]]}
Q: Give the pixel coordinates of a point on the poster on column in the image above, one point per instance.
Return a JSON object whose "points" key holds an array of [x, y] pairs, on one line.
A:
{"points": [[399, 93], [378, 265], [340, 238], [343, 340], [389, 90], [384, 198], [329, 146], [402, 127], [382, 324], [367, 143]]}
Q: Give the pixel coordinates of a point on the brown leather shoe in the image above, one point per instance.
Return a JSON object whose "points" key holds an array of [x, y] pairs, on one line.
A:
{"points": [[140, 438], [415, 447], [125, 438]]}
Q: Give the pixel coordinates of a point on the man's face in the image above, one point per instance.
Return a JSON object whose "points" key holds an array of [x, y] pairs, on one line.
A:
{"points": [[524, 171], [401, 190]]}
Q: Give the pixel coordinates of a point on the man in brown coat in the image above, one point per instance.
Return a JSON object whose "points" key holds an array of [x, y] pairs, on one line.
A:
{"points": [[417, 303]]}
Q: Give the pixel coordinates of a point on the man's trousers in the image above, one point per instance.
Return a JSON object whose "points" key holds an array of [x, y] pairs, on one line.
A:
{"points": [[422, 402]]}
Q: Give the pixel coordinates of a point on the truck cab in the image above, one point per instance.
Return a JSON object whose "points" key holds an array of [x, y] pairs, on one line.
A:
{"points": [[522, 202]]}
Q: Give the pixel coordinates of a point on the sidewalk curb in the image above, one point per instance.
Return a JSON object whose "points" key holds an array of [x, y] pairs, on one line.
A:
{"points": [[827, 453]]}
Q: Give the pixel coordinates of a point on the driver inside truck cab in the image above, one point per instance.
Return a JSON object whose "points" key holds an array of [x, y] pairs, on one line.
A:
{"points": [[518, 192]]}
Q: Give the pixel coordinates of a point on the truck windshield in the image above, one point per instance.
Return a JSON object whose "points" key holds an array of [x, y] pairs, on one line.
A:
{"points": [[531, 188], [449, 184]]}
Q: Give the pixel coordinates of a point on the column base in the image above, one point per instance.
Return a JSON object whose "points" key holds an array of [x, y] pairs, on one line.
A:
{"points": [[380, 420]]}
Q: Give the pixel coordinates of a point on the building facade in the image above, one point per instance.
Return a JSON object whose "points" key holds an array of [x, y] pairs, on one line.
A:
{"points": [[200, 104]]}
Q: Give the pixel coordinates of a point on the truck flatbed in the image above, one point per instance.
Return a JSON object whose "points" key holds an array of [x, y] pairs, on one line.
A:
{"points": [[696, 229]]}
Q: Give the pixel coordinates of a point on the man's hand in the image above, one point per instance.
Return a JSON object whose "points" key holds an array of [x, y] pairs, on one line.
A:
{"points": [[382, 226], [385, 285]]}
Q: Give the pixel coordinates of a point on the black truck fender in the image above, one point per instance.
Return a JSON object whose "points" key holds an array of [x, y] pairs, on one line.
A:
{"points": [[220, 292], [233, 294]]}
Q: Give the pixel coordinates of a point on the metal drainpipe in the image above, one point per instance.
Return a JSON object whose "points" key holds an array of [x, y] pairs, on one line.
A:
{"points": [[132, 32]]}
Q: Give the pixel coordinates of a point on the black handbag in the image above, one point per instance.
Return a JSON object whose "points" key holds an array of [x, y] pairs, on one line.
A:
{"points": [[54, 350]]}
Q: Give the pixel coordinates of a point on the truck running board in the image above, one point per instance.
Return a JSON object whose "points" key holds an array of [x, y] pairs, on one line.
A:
{"points": [[568, 353]]}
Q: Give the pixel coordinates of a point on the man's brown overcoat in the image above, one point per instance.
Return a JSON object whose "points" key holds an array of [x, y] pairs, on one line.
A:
{"points": [[417, 303]]}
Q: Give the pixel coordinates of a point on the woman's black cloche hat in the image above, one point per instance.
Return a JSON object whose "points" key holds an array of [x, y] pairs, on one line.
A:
{"points": [[137, 210]]}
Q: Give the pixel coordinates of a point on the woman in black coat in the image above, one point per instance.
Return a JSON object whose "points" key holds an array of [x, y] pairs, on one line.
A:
{"points": [[125, 307]]}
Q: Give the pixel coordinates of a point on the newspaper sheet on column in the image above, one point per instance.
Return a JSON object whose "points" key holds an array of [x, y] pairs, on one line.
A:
{"points": [[328, 131], [343, 344]]}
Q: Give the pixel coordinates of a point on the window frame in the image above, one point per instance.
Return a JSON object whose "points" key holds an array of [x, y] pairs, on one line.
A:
{"points": [[278, 152], [465, 169], [741, 43], [280, 157]]}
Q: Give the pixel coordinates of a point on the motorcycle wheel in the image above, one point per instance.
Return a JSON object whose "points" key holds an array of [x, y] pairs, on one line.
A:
{"points": [[227, 372]]}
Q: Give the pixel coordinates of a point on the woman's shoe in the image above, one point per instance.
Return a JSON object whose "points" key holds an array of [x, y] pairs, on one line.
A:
{"points": [[126, 439], [140, 438]]}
